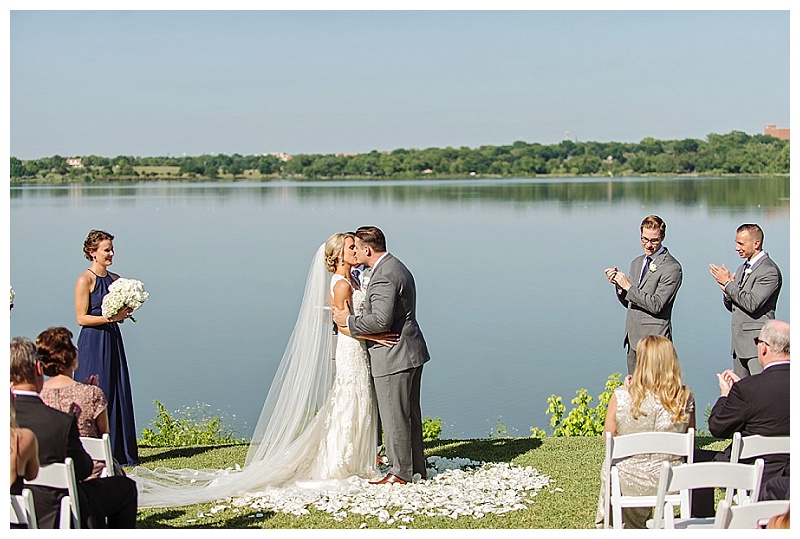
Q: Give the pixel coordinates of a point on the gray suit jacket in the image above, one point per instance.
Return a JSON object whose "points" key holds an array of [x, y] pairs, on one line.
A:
{"points": [[391, 303], [751, 299], [649, 302]]}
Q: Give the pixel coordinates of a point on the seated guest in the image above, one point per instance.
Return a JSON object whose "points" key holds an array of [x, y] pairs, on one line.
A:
{"points": [[112, 498], [653, 399], [757, 404], [24, 456], [59, 359], [24, 453]]}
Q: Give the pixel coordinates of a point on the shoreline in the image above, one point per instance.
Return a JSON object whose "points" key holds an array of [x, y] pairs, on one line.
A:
{"points": [[186, 178]]}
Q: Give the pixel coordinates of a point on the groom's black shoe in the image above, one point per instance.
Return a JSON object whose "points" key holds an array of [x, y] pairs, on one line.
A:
{"points": [[390, 479]]}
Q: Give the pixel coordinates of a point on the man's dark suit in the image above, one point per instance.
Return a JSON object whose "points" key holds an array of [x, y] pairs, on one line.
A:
{"points": [[58, 438], [758, 404]]}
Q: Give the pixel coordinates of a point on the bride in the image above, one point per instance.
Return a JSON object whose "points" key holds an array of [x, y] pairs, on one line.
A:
{"points": [[310, 434]]}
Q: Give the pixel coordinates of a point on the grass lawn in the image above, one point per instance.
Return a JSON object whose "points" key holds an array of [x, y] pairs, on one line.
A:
{"points": [[569, 502]]}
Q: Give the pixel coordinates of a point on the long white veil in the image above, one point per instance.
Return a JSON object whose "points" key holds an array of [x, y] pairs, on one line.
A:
{"points": [[299, 388]]}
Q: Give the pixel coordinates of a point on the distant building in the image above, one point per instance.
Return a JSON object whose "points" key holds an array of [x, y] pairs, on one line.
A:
{"points": [[346, 154], [282, 156], [75, 162], [774, 131]]}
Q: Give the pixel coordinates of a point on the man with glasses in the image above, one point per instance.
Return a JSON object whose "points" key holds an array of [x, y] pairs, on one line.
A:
{"points": [[750, 294], [757, 404], [648, 291]]}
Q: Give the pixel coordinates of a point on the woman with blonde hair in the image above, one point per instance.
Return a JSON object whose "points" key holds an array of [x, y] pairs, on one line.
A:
{"points": [[653, 399]]}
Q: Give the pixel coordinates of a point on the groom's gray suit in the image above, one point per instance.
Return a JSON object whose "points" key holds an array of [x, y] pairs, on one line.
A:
{"points": [[391, 299], [751, 299], [649, 301]]}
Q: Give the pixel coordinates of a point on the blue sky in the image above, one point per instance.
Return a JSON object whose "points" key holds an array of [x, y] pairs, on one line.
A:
{"points": [[153, 83]]}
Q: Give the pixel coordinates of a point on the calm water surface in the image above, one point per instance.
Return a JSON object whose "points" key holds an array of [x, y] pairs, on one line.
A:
{"points": [[512, 297]]}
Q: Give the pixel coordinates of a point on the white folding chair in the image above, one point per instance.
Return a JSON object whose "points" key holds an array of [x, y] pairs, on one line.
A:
{"points": [[743, 517], [23, 510], [61, 475], [620, 447], [700, 475], [100, 449]]}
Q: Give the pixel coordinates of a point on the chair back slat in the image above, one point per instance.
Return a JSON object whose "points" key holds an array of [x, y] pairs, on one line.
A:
{"points": [[672, 443], [757, 446], [747, 516]]}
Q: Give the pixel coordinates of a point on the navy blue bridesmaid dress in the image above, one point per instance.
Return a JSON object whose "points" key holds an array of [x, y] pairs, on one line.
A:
{"points": [[101, 353]]}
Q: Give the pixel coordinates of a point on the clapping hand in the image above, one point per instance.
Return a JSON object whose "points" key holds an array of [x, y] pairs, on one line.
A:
{"points": [[91, 381], [610, 274], [721, 274], [622, 281], [726, 381]]}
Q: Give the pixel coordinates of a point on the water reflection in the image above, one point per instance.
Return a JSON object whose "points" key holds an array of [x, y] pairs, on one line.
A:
{"points": [[731, 193]]}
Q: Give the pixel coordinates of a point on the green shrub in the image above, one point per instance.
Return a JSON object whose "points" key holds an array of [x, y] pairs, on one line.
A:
{"points": [[582, 420], [431, 429], [500, 430], [190, 426]]}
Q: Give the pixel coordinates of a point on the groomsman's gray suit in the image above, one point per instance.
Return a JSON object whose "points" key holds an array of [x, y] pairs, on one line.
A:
{"points": [[391, 299], [649, 302], [751, 298]]}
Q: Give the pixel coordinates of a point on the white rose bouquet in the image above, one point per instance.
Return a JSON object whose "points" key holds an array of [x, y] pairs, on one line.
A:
{"points": [[124, 293], [12, 294]]}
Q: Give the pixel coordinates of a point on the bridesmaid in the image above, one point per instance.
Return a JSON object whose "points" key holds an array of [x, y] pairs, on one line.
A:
{"points": [[101, 355]]}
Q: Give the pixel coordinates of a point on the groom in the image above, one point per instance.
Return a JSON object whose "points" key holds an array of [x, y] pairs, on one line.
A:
{"points": [[390, 305]]}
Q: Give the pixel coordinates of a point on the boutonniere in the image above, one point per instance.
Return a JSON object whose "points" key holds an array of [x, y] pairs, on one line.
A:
{"points": [[748, 271], [653, 267], [367, 273]]}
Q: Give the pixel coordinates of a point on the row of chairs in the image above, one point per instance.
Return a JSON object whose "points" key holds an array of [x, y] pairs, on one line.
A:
{"points": [[61, 475], [742, 482]]}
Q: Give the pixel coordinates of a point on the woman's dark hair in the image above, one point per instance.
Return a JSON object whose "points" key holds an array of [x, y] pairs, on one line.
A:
{"points": [[93, 240], [56, 351]]}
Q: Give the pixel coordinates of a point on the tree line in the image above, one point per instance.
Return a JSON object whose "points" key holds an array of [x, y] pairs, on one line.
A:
{"points": [[734, 153]]}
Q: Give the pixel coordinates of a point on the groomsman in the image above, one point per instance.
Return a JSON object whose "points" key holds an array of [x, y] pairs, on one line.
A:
{"points": [[750, 294], [648, 291]]}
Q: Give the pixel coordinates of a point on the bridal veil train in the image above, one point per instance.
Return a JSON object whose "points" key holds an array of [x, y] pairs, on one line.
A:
{"points": [[294, 429]]}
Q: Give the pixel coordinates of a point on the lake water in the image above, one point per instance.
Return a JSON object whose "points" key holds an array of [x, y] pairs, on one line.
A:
{"points": [[512, 297]]}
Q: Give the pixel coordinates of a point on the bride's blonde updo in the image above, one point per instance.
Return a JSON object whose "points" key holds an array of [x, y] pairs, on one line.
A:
{"points": [[334, 248]]}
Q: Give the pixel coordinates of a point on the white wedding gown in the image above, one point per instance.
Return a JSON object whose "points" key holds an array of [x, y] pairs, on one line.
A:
{"points": [[341, 441], [292, 446]]}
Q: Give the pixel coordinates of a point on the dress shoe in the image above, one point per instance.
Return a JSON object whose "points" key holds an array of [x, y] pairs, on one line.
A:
{"points": [[390, 479]]}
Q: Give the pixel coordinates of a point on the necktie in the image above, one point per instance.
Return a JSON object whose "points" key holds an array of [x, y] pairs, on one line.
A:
{"points": [[645, 268], [355, 273], [746, 265]]}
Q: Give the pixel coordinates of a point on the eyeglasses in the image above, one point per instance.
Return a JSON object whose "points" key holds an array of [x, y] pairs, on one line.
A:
{"points": [[653, 241], [759, 341]]}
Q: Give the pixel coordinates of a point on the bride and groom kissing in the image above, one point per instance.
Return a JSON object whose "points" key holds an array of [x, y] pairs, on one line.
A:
{"points": [[319, 430], [396, 369]]}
